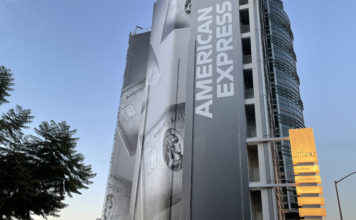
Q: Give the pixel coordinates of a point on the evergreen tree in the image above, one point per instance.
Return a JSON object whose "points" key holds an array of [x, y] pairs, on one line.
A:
{"points": [[36, 172]]}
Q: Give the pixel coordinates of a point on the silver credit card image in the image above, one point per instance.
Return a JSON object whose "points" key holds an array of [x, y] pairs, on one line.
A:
{"points": [[161, 165], [129, 115]]}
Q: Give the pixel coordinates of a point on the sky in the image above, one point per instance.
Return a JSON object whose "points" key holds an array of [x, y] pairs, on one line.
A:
{"points": [[68, 59]]}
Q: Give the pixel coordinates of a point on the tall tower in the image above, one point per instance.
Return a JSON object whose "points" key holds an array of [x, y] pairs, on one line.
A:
{"points": [[205, 92], [273, 105]]}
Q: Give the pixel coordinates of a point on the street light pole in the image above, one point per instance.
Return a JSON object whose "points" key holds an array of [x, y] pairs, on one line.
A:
{"points": [[337, 192], [338, 200]]}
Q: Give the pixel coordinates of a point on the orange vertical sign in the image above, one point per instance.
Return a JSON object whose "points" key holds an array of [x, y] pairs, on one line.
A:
{"points": [[303, 146], [308, 181]]}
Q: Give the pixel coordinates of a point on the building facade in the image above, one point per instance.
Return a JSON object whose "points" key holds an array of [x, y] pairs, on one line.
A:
{"points": [[203, 91], [272, 94]]}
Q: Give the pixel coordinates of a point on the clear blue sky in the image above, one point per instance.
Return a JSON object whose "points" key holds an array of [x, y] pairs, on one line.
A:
{"points": [[68, 59]]}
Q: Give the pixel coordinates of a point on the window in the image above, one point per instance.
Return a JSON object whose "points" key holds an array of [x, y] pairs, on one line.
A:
{"points": [[250, 121], [244, 21], [256, 205], [243, 2], [253, 165], [246, 49], [248, 81]]}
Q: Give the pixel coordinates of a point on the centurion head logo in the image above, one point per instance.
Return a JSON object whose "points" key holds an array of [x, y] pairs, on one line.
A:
{"points": [[173, 149], [188, 6], [110, 205]]}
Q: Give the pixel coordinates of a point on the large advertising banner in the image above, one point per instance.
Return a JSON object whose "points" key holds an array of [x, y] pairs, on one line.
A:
{"points": [[215, 154], [118, 192], [157, 188], [180, 146]]}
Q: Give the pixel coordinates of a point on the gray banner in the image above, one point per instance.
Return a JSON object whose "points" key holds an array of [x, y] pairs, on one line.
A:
{"points": [[157, 186], [215, 161], [118, 191]]}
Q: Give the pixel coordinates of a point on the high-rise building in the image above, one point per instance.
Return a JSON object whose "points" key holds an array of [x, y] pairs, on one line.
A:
{"points": [[205, 93], [273, 102]]}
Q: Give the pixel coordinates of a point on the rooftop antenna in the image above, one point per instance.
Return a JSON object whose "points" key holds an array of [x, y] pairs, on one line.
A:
{"points": [[138, 28]]}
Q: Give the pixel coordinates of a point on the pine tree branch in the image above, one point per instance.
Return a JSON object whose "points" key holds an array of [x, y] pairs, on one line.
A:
{"points": [[6, 84]]}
